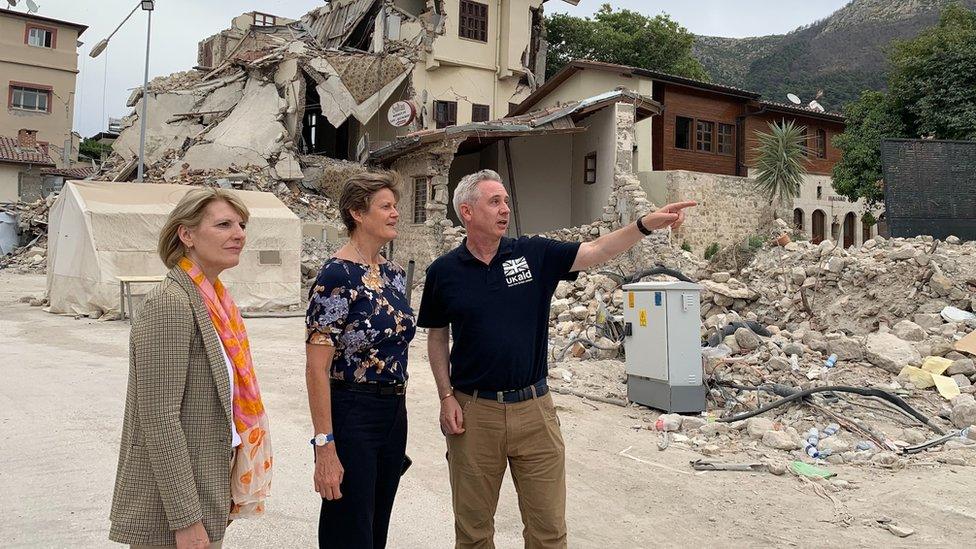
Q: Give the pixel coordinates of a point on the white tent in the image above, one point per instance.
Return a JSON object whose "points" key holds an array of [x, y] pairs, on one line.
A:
{"points": [[99, 231]]}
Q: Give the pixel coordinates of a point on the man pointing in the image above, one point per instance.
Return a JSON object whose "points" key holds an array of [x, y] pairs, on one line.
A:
{"points": [[494, 293]]}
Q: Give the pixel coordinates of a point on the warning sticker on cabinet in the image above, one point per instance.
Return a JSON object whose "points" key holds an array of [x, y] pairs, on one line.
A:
{"points": [[642, 316]]}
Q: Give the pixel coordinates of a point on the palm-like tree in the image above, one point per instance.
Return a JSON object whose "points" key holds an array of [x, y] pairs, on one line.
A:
{"points": [[782, 160]]}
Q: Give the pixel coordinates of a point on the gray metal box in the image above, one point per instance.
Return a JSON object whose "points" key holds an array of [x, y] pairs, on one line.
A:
{"points": [[664, 363]]}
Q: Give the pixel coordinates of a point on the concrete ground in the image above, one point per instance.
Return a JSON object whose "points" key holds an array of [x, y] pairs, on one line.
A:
{"points": [[61, 400]]}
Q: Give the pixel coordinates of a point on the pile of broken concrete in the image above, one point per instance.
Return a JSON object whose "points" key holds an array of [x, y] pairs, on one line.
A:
{"points": [[31, 256]]}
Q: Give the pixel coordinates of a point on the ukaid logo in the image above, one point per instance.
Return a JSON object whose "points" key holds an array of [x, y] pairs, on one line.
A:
{"points": [[516, 271]]}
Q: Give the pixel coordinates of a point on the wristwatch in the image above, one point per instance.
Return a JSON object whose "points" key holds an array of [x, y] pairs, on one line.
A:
{"points": [[640, 227], [321, 439]]}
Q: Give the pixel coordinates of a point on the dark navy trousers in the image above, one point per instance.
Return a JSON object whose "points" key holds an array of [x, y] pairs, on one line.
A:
{"points": [[371, 440]]}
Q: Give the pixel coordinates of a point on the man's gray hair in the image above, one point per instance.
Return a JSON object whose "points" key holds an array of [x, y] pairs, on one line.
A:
{"points": [[467, 189]]}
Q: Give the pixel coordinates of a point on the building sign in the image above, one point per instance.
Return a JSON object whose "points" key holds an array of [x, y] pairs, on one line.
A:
{"points": [[401, 113]]}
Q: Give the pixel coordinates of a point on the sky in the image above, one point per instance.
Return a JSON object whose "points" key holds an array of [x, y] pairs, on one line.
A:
{"points": [[104, 83]]}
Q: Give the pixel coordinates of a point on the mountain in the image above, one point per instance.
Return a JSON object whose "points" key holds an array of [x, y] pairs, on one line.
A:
{"points": [[842, 54]]}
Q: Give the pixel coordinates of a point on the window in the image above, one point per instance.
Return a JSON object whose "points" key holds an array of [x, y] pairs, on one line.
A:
{"points": [[726, 139], [41, 37], [473, 21], [264, 20], [589, 169], [805, 143], [445, 113], [704, 132], [420, 192], [30, 99], [821, 143], [682, 132], [479, 113], [819, 192]]}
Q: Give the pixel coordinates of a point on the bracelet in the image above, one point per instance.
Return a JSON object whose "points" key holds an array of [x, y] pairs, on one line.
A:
{"points": [[447, 395], [640, 227]]}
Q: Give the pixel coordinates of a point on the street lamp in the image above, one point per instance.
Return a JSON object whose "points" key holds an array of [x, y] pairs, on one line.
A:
{"points": [[147, 6]]}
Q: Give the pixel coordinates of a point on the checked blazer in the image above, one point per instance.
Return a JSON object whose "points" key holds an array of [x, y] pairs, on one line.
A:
{"points": [[175, 455]]}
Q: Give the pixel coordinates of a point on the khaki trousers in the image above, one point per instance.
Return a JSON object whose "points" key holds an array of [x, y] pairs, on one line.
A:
{"points": [[524, 435]]}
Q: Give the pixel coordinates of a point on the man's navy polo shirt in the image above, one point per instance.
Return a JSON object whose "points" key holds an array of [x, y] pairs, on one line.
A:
{"points": [[498, 313]]}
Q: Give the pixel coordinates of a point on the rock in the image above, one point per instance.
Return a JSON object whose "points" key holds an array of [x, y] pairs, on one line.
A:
{"points": [[710, 450], [834, 445], [869, 244], [668, 422], [900, 531], [756, 427], [35, 302], [836, 264], [961, 380], [747, 339], [730, 342], [909, 331], [846, 348], [721, 277], [777, 468], [713, 429], [793, 349], [964, 366], [778, 363], [559, 306], [940, 284], [780, 440], [890, 353], [798, 274], [579, 312], [690, 423], [928, 321], [963, 411], [902, 254], [563, 289], [730, 290], [952, 239]]}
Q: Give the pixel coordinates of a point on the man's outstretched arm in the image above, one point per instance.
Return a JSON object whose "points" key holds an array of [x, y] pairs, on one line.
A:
{"points": [[611, 245]]}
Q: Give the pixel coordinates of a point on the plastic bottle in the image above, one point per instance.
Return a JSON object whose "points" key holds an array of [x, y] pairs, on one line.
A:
{"points": [[813, 436], [812, 451], [830, 430], [831, 360]]}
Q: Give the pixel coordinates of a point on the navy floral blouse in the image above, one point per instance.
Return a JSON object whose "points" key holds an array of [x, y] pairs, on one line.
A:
{"points": [[363, 312]]}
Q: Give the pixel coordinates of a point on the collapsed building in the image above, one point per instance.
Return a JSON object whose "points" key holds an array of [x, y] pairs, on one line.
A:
{"points": [[297, 97]]}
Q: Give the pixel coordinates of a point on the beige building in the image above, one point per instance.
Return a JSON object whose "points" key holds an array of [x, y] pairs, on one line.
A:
{"points": [[38, 68]]}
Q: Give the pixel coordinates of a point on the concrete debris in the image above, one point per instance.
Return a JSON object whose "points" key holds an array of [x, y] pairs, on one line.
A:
{"points": [[30, 256], [877, 312]]}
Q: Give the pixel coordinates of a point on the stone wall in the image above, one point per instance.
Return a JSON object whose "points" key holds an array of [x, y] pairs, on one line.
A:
{"points": [[729, 209]]}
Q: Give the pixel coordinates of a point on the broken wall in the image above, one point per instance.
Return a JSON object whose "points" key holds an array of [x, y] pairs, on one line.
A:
{"points": [[600, 138], [729, 209]]}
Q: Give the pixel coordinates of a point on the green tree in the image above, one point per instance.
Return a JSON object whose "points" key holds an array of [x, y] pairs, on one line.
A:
{"points": [[781, 162], [624, 37], [91, 148], [933, 77], [870, 119]]}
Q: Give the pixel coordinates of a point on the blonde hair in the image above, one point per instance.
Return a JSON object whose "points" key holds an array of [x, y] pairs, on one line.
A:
{"points": [[358, 191], [189, 213]]}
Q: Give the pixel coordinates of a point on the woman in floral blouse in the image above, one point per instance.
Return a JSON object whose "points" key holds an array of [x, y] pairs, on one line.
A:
{"points": [[358, 328]]}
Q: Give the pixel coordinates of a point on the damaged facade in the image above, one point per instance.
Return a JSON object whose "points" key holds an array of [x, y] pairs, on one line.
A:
{"points": [[289, 96], [587, 190]]}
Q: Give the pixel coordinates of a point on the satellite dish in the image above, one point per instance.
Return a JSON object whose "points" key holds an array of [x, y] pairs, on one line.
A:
{"points": [[793, 99], [12, 3], [32, 6], [815, 106]]}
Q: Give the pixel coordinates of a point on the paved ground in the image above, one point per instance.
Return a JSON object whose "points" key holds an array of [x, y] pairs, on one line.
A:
{"points": [[61, 404]]}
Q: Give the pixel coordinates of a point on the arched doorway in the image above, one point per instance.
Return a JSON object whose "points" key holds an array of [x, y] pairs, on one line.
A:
{"points": [[849, 226], [865, 231], [798, 219], [817, 221]]}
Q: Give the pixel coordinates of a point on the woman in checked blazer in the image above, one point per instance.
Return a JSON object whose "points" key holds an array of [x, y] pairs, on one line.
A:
{"points": [[194, 452]]}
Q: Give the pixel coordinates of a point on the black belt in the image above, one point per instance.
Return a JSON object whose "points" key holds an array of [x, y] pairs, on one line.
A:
{"points": [[515, 395], [374, 388]]}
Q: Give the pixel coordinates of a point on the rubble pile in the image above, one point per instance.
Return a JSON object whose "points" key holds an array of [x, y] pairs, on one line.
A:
{"points": [[31, 257], [887, 316]]}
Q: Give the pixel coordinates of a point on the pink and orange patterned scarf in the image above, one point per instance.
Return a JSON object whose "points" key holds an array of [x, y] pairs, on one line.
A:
{"points": [[250, 480]]}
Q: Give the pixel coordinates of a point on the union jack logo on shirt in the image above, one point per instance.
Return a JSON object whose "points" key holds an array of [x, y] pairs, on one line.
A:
{"points": [[515, 266], [516, 271]]}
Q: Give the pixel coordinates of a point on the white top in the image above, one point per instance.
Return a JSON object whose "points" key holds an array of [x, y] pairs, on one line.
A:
{"points": [[235, 437]]}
